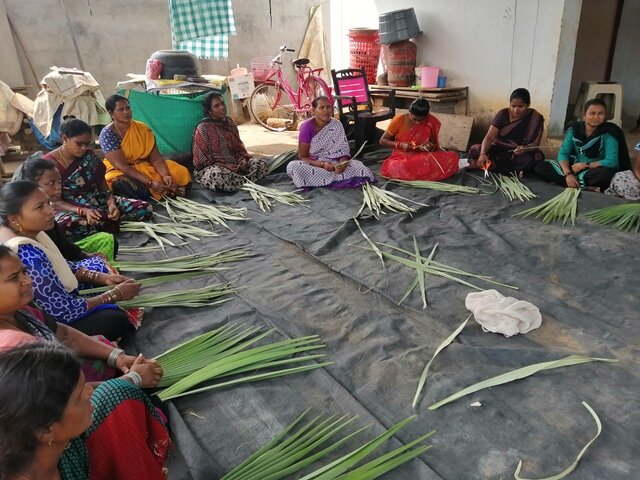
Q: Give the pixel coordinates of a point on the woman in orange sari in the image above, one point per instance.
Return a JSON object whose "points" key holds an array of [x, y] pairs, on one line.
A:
{"points": [[135, 167], [416, 150]]}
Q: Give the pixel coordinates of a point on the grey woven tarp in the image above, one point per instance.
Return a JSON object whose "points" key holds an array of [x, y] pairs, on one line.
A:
{"points": [[310, 277]]}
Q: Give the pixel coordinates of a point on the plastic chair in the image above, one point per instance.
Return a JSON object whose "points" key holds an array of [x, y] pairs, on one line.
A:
{"points": [[356, 107], [609, 92]]}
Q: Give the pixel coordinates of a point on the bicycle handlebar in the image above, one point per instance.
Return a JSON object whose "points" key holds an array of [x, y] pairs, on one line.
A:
{"points": [[283, 49]]}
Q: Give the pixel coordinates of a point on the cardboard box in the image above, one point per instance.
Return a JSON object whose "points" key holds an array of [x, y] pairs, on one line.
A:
{"points": [[241, 86]]}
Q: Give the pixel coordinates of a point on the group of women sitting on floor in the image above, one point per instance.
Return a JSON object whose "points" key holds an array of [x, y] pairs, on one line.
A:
{"points": [[62, 428]]}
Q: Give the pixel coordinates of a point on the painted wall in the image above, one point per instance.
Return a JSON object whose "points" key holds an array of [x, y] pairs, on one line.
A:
{"points": [[626, 62], [116, 37], [493, 46]]}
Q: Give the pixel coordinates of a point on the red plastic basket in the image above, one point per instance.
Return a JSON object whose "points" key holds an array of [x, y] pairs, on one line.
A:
{"points": [[260, 66], [364, 50]]}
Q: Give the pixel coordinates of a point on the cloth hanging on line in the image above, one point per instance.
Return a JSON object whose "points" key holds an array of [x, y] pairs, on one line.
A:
{"points": [[202, 27]]}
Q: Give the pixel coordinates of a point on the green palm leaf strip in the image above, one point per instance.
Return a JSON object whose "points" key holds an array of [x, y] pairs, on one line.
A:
{"points": [[561, 207], [186, 263], [625, 217], [377, 200], [194, 297], [573, 466], [442, 346], [427, 265], [512, 188], [240, 360], [299, 446], [519, 374], [150, 282], [155, 230], [183, 210], [373, 246], [282, 159], [438, 186], [266, 197], [130, 250], [338, 469]]}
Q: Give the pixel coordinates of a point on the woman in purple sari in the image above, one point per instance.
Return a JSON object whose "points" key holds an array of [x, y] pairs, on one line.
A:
{"points": [[85, 205], [324, 153], [511, 143]]}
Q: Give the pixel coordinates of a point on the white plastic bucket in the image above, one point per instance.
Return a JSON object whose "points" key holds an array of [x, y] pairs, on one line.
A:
{"points": [[430, 77]]}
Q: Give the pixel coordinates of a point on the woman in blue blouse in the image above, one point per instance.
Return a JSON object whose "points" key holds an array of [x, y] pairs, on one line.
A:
{"points": [[592, 152], [25, 213]]}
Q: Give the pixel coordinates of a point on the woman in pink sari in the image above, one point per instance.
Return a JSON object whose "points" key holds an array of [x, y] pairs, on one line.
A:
{"points": [[416, 150]]}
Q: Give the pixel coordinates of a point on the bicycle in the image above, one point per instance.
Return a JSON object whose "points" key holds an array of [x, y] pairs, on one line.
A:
{"points": [[275, 104]]}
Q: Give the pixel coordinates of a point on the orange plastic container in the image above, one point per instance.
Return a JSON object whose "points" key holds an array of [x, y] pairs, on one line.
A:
{"points": [[364, 51]]}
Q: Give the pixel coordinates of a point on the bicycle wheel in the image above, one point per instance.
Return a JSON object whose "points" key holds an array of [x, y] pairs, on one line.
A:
{"points": [[271, 107], [313, 87]]}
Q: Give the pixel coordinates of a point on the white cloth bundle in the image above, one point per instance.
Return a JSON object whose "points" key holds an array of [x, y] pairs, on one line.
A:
{"points": [[499, 314]]}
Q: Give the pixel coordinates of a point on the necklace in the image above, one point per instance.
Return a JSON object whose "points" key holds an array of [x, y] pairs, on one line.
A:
{"points": [[118, 130], [66, 162]]}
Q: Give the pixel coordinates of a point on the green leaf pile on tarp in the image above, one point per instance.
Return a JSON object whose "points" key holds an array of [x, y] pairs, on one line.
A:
{"points": [[194, 297], [512, 188], [155, 230], [561, 207], [150, 281], [266, 197], [224, 352], [426, 265], [186, 263], [377, 200], [298, 447], [518, 374], [183, 210], [438, 186], [625, 217], [573, 466]]}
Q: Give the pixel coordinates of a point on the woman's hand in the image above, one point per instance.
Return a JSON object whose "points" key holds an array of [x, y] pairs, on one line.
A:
{"points": [[519, 150], [328, 166], [578, 167], [113, 213], [572, 181], [341, 166], [483, 159], [92, 216], [426, 147], [112, 279], [159, 187], [169, 182], [149, 370], [126, 290]]}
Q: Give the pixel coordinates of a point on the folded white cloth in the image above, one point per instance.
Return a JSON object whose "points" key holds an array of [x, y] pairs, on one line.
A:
{"points": [[499, 314]]}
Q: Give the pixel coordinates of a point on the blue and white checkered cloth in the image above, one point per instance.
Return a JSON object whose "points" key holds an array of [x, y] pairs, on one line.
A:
{"points": [[202, 27]]}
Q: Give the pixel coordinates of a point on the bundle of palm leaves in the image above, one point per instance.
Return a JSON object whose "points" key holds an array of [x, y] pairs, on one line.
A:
{"points": [[265, 197], [561, 207], [625, 217], [154, 230], [225, 352], [438, 186], [183, 210], [186, 263], [194, 297], [298, 447], [377, 200], [511, 187]]}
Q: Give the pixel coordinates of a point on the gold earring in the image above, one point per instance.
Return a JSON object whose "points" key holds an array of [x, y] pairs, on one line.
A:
{"points": [[50, 442], [18, 226]]}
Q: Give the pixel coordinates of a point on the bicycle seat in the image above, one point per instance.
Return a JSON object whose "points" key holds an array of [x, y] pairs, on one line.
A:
{"points": [[301, 62]]}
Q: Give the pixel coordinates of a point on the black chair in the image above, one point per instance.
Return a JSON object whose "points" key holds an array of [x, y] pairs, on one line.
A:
{"points": [[356, 107]]}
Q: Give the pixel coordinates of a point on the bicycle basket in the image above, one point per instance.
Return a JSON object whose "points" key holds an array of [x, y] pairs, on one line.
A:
{"points": [[261, 66]]}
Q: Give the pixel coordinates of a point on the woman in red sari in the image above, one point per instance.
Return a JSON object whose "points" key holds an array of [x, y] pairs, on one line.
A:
{"points": [[511, 143], [416, 150]]}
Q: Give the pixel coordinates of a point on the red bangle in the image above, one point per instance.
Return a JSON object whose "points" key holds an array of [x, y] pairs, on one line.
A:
{"points": [[79, 211]]}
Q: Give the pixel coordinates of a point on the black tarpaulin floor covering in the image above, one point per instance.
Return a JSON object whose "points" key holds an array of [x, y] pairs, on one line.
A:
{"points": [[308, 276]]}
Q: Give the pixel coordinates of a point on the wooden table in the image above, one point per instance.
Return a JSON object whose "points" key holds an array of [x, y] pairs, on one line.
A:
{"points": [[434, 95]]}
